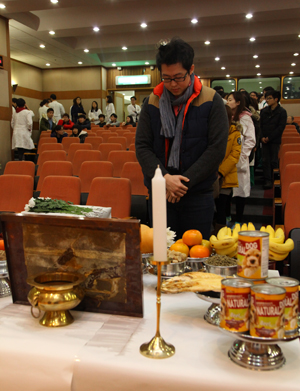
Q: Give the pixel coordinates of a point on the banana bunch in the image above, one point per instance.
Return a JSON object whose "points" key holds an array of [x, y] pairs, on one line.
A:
{"points": [[279, 249], [225, 243]]}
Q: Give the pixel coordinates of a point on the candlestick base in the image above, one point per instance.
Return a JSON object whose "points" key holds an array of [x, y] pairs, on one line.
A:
{"points": [[157, 348], [160, 262]]}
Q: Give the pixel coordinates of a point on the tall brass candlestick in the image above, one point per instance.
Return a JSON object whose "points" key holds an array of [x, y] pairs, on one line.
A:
{"points": [[158, 348]]}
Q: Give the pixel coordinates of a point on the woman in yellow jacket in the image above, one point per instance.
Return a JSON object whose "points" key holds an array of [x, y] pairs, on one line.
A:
{"points": [[227, 170]]}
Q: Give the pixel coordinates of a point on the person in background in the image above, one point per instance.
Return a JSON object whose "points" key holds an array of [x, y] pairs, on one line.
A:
{"points": [[236, 102], [59, 133], [48, 121], [82, 134], [65, 122], [227, 172], [129, 121], [77, 109], [58, 108], [94, 113], [254, 95], [101, 120], [113, 120], [44, 106], [134, 109], [110, 108], [263, 102], [219, 88], [272, 123], [290, 121], [183, 129], [14, 105], [83, 123], [22, 129]]}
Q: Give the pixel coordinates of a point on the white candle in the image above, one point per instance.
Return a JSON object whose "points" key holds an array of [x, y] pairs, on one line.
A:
{"points": [[159, 216]]}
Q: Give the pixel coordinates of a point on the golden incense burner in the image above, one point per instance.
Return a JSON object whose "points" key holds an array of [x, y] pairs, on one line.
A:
{"points": [[55, 293]]}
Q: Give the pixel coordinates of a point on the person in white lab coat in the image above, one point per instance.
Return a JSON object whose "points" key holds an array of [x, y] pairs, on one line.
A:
{"points": [[134, 109], [110, 108], [44, 106], [94, 113], [236, 102], [58, 108], [22, 128]]}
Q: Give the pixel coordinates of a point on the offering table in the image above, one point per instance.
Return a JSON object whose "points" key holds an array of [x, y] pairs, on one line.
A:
{"points": [[100, 352]]}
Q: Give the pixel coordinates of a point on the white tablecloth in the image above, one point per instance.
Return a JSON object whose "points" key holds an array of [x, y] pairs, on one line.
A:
{"points": [[101, 352]]}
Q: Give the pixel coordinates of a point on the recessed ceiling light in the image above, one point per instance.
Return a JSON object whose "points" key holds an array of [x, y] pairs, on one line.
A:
{"points": [[114, 65], [51, 32], [260, 82], [293, 64], [298, 35], [42, 46], [291, 73], [258, 74], [260, 87], [86, 50], [54, 1], [207, 42], [96, 29], [257, 66], [2, 6], [227, 75], [255, 56], [249, 16], [48, 65], [119, 69], [194, 21], [124, 48], [146, 63], [79, 62], [296, 54], [123, 94], [143, 25], [223, 68], [252, 39], [290, 78], [217, 58]]}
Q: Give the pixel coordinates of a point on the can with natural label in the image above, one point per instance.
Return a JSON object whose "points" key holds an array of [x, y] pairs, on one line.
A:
{"points": [[267, 311], [253, 254], [235, 303], [291, 302]]}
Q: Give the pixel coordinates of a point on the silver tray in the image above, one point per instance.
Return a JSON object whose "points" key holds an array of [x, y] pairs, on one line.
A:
{"points": [[170, 270]]}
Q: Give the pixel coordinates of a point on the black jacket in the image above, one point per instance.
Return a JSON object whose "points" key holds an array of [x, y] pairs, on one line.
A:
{"points": [[272, 123], [85, 125]]}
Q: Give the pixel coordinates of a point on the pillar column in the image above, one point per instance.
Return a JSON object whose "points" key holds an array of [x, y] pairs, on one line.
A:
{"points": [[5, 95]]}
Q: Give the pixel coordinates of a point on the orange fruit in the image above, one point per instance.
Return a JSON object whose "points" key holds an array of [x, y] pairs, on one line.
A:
{"points": [[2, 245], [146, 239], [179, 241], [192, 237], [180, 247], [206, 243], [199, 251]]}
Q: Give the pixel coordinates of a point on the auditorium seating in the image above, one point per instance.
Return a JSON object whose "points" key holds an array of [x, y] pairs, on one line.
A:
{"points": [[106, 148], [107, 135], [67, 141], [95, 142], [78, 147], [133, 172], [62, 188], [84, 156], [118, 140], [118, 158], [15, 192], [60, 168], [52, 140], [50, 147], [19, 168], [50, 156]]}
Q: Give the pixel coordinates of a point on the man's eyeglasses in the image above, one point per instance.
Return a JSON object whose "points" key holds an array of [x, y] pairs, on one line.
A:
{"points": [[269, 98], [176, 79]]}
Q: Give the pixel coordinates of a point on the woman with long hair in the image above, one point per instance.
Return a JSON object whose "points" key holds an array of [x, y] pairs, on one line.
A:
{"points": [[236, 102], [129, 121], [94, 113], [110, 108], [76, 109]]}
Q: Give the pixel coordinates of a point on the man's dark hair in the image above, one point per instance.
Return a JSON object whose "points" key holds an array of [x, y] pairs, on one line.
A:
{"points": [[43, 102], [109, 99], [275, 94], [218, 88], [176, 51], [81, 116], [53, 96], [57, 127], [101, 115], [14, 100], [221, 93], [66, 115], [114, 115], [50, 109], [267, 89], [75, 127], [242, 90], [133, 97], [21, 102]]}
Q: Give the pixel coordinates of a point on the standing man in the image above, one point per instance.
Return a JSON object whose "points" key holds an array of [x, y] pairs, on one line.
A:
{"points": [[183, 128], [134, 109], [58, 108], [272, 123]]}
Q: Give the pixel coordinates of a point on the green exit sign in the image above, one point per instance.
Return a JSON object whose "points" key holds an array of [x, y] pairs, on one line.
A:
{"points": [[133, 80]]}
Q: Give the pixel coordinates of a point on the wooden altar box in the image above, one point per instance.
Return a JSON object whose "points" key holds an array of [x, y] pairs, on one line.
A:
{"points": [[106, 251]]}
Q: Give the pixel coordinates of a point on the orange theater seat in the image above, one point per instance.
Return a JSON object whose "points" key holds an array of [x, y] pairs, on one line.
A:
{"points": [[44, 140], [65, 188], [50, 156], [95, 142], [107, 135], [50, 147], [133, 172], [118, 140], [91, 134], [84, 156], [118, 158], [132, 147], [78, 147], [289, 157], [54, 169], [129, 137], [19, 168], [111, 192], [106, 148], [67, 141], [15, 192], [288, 147], [292, 209], [290, 174], [91, 170]]}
